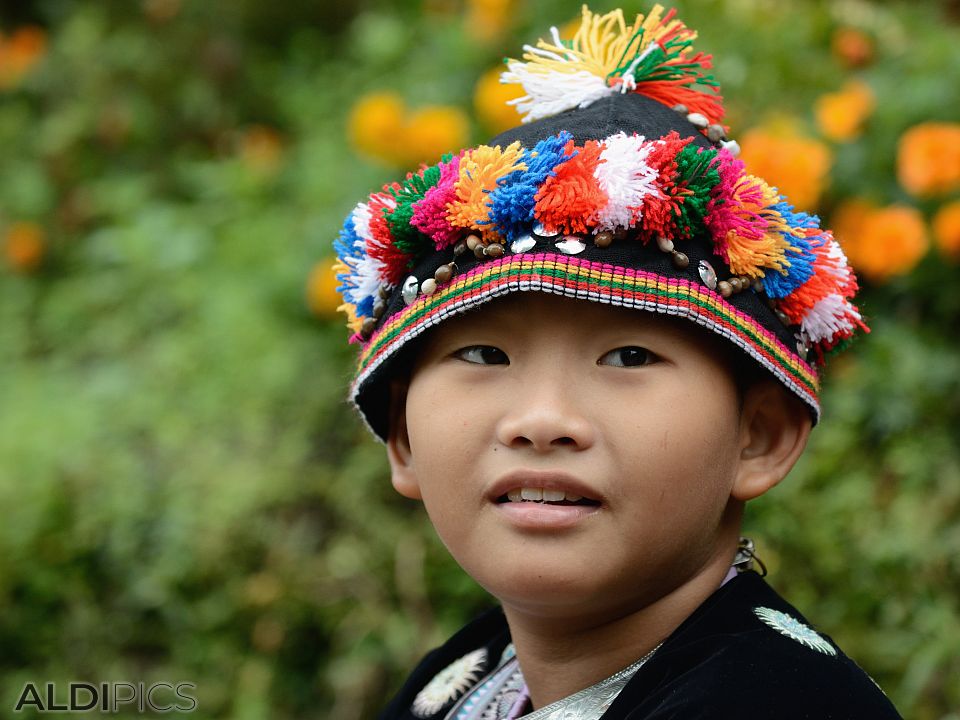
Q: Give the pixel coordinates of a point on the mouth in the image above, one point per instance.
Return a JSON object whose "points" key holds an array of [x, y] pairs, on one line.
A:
{"points": [[545, 496], [544, 501]]}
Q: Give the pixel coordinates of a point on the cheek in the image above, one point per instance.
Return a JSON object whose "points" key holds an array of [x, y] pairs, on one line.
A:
{"points": [[446, 443], [683, 447]]}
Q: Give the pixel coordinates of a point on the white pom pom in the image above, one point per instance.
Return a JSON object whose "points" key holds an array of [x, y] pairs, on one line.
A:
{"points": [[550, 92], [624, 175], [831, 315]]}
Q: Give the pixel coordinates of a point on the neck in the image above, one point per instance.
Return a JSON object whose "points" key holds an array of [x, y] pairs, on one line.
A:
{"points": [[561, 657]]}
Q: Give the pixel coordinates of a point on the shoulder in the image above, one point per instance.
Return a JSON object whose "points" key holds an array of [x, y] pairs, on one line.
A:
{"points": [[749, 653], [445, 673]]}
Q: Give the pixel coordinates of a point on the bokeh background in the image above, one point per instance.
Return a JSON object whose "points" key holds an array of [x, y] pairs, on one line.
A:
{"points": [[185, 494]]}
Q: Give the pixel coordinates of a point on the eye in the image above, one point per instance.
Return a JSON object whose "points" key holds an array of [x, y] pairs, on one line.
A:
{"points": [[483, 355], [630, 356]]}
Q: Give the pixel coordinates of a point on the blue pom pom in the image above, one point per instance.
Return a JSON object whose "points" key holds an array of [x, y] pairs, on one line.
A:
{"points": [[800, 253], [512, 202], [347, 247]]}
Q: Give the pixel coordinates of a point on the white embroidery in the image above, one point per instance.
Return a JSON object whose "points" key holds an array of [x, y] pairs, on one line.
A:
{"points": [[791, 627], [452, 681]]}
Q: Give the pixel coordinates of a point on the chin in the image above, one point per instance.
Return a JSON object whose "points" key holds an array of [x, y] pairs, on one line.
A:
{"points": [[549, 589]]}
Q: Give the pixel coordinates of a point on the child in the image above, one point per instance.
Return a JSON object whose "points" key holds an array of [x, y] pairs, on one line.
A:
{"points": [[586, 463]]}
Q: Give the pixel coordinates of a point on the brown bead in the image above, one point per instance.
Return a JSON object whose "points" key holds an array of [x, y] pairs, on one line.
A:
{"points": [[782, 316], [603, 239], [460, 248], [680, 108], [479, 251], [716, 133], [495, 250], [383, 292], [620, 234], [472, 242], [368, 326], [734, 284], [771, 303], [378, 307], [757, 285], [724, 287], [680, 261], [443, 273]]}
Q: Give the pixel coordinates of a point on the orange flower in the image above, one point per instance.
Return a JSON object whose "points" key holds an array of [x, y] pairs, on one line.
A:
{"points": [[432, 131], [928, 158], [490, 101], [884, 242], [946, 229], [376, 126], [380, 127], [852, 47], [322, 296], [796, 165], [24, 246], [261, 149], [488, 19], [19, 53], [848, 218], [841, 115]]}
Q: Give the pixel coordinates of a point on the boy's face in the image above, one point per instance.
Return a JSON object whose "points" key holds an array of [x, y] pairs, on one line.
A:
{"points": [[636, 412]]}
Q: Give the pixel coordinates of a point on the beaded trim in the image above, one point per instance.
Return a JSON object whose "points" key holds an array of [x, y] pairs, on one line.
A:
{"points": [[602, 282]]}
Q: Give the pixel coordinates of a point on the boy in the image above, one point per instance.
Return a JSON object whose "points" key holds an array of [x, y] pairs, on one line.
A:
{"points": [[587, 463]]}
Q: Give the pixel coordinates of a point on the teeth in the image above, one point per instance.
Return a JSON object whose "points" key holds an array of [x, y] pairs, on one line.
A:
{"points": [[541, 495]]}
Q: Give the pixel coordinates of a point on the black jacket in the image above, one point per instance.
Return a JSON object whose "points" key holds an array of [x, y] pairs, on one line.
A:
{"points": [[724, 661]]}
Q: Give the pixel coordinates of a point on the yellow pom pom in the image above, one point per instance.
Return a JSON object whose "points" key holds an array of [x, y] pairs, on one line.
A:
{"points": [[480, 169]]}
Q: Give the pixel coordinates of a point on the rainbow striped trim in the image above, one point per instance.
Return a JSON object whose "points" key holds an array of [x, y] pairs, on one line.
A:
{"points": [[599, 282]]}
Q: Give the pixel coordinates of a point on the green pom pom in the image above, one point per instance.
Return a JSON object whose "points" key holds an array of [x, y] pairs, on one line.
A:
{"points": [[698, 175], [406, 237]]}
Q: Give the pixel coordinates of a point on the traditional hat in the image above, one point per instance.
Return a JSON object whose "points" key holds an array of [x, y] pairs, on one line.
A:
{"points": [[620, 187]]}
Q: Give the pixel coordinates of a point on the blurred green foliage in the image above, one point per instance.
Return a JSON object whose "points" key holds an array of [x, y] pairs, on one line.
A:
{"points": [[186, 494]]}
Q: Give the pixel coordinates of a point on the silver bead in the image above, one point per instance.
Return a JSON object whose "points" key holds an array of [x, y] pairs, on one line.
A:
{"points": [[571, 245], [680, 108], [708, 274], [523, 243], [698, 119], [731, 146], [410, 288], [540, 230]]}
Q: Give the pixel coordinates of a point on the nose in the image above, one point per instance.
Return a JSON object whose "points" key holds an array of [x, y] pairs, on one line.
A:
{"points": [[549, 408]]}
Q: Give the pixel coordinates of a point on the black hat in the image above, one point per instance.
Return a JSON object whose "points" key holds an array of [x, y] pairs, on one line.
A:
{"points": [[620, 187]]}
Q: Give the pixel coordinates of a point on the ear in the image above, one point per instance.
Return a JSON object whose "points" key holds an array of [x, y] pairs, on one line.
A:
{"points": [[398, 444], [774, 427]]}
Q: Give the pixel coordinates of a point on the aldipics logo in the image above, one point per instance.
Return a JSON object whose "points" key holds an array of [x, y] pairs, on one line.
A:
{"points": [[107, 697]]}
